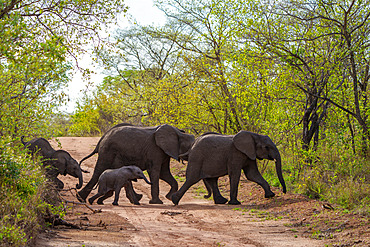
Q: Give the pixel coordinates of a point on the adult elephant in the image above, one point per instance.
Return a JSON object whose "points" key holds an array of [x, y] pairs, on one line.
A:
{"points": [[215, 155], [55, 161], [149, 148]]}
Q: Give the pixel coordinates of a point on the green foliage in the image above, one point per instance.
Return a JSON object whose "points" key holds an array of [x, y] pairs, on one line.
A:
{"points": [[37, 41], [334, 175], [279, 68], [84, 121], [21, 196]]}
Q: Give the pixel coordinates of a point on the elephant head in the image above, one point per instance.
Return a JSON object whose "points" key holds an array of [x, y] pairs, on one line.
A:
{"points": [[173, 141], [65, 164], [260, 147], [137, 173]]}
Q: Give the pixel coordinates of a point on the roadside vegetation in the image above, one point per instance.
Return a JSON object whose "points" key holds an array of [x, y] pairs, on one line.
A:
{"points": [[296, 71], [39, 45], [25, 196]]}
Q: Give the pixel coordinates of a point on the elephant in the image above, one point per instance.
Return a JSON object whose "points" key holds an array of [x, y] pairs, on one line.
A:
{"points": [[149, 148], [215, 155], [102, 138], [114, 179], [55, 161]]}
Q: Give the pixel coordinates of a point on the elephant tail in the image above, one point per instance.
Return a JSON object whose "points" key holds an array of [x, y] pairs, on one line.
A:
{"points": [[96, 186], [97, 145], [93, 152], [184, 156], [85, 158], [22, 140]]}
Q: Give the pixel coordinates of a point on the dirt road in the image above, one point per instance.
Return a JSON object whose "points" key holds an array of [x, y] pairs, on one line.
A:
{"points": [[195, 222]]}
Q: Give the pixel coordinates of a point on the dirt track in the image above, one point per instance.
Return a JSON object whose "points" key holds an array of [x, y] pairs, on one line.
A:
{"points": [[195, 222]]}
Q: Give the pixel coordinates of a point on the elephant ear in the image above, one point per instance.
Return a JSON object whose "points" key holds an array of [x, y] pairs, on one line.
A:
{"points": [[60, 161], [244, 142], [167, 139]]}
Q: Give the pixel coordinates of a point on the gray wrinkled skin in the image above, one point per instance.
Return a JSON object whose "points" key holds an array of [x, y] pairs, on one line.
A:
{"points": [[214, 155], [112, 180], [149, 148], [55, 161]]}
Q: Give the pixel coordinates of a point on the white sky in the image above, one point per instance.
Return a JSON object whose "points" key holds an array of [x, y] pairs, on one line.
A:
{"points": [[145, 14]]}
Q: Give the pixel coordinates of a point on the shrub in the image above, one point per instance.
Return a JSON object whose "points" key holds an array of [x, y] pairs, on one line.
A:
{"points": [[22, 196], [339, 177]]}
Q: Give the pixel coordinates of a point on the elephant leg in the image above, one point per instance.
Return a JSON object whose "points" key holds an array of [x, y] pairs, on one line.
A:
{"points": [[252, 173], [53, 178], [234, 177], [154, 178], [130, 191], [116, 196], [137, 196], [59, 184], [130, 194], [166, 176], [106, 195], [180, 193], [97, 195], [213, 184], [99, 169]]}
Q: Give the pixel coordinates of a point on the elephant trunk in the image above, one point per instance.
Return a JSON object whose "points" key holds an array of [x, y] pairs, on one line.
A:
{"points": [[279, 171], [146, 180], [80, 181]]}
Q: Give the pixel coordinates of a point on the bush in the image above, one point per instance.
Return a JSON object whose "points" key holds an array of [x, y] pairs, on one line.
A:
{"points": [[339, 177], [22, 200]]}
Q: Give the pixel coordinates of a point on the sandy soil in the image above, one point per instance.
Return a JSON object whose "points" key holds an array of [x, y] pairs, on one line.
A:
{"points": [[286, 220]]}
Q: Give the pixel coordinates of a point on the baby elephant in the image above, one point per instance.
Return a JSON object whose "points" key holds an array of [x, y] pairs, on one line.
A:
{"points": [[114, 179]]}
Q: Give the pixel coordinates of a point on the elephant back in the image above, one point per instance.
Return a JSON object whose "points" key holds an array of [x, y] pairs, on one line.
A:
{"points": [[40, 146], [212, 143]]}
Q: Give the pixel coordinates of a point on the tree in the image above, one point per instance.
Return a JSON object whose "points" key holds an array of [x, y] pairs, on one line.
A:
{"points": [[36, 40], [190, 72], [205, 30], [325, 45]]}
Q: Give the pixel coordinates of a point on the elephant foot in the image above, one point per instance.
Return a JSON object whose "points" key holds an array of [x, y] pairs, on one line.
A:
{"points": [[91, 201], [155, 201], [131, 200], [220, 200], [136, 203], [169, 195], [79, 198], [139, 196], [208, 196], [269, 194], [175, 199], [115, 203], [234, 202], [100, 202]]}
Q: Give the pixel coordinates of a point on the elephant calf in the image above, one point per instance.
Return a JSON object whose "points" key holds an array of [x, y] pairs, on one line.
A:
{"points": [[114, 179], [55, 161]]}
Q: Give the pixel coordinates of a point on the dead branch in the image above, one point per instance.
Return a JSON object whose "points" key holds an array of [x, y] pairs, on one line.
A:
{"points": [[78, 203], [85, 204]]}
